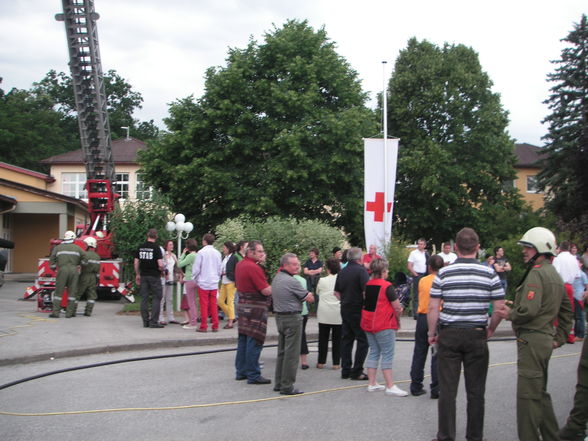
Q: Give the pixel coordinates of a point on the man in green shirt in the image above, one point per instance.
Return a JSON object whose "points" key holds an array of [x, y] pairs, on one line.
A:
{"points": [[66, 257], [540, 300], [87, 280]]}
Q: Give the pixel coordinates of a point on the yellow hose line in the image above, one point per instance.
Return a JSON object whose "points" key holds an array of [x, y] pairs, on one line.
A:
{"points": [[226, 403], [33, 320]]}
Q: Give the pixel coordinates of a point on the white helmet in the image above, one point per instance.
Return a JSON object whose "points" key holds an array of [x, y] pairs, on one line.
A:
{"points": [[90, 241], [69, 235], [539, 238]]}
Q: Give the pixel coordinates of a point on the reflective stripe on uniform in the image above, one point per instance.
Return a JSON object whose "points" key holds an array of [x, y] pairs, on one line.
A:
{"points": [[91, 301], [94, 261], [72, 253], [56, 297]]}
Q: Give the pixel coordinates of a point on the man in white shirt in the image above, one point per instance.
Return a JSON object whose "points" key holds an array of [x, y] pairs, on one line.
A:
{"points": [[417, 267], [447, 255], [567, 267], [206, 272]]}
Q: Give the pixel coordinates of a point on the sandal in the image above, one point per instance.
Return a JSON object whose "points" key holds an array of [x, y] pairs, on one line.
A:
{"points": [[360, 377], [228, 327]]}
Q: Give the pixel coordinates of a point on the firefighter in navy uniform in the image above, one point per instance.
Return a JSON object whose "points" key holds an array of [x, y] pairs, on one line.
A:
{"points": [[87, 281], [66, 257], [542, 319]]}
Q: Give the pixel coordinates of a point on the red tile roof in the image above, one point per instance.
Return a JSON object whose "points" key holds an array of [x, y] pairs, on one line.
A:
{"points": [[26, 171], [529, 155], [124, 151]]}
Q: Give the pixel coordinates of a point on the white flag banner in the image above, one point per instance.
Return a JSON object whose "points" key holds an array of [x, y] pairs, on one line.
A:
{"points": [[379, 184]]}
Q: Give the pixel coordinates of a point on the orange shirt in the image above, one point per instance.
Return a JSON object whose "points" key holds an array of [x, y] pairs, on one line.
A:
{"points": [[425, 285]]}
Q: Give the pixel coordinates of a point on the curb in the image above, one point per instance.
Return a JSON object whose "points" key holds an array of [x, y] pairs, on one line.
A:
{"points": [[177, 343]]}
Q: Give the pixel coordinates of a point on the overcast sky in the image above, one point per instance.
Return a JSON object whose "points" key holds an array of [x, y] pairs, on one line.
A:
{"points": [[162, 48]]}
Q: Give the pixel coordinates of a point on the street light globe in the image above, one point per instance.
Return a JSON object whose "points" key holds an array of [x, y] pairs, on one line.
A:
{"points": [[170, 226], [180, 219], [180, 226], [188, 226]]}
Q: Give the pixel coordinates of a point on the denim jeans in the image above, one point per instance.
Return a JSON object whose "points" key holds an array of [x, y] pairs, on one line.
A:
{"points": [[381, 348], [247, 359]]}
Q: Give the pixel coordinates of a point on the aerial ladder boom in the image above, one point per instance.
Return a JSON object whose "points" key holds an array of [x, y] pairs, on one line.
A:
{"points": [[91, 104], [90, 98]]}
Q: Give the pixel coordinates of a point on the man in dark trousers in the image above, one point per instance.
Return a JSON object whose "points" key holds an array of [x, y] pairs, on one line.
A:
{"points": [[349, 289], [148, 267], [465, 290], [254, 292]]}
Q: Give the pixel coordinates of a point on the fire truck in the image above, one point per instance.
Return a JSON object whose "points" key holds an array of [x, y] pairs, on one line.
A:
{"points": [[91, 105]]}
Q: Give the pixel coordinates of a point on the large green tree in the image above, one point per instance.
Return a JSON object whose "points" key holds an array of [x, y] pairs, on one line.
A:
{"points": [[122, 101], [455, 153], [42, 121], [31, 130], [277, 132], [565, 176]]}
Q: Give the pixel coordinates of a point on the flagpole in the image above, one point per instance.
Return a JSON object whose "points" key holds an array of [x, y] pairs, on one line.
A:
{"points": [[385, 135]]}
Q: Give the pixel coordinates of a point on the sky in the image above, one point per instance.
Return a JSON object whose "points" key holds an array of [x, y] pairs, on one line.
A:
{"points": [[163, 48]]}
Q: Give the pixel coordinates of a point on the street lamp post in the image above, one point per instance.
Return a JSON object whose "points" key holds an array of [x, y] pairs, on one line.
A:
{"points": [[182, 229]]}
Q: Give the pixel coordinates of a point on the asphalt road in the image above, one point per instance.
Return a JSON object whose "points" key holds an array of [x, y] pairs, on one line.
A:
{"points": [[337, 410]]}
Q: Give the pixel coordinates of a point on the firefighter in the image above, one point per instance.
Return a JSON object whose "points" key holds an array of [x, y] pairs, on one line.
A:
{"points": [[66, 257], [87, 281], [540, 301]]}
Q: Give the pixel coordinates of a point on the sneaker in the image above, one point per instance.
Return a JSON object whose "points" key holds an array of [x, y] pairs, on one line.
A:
{"points": [[375, 387], [189, 327], [396, 391]]}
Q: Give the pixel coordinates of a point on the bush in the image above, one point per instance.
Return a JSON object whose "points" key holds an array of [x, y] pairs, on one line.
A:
{"points": [[397, 256], [282, 235]]}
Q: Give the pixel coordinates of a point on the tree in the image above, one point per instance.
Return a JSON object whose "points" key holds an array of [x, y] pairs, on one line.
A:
{"points": [[130, 224], [31, 130], [122, 101], [564, 176], [277, 132], [455, 153]]}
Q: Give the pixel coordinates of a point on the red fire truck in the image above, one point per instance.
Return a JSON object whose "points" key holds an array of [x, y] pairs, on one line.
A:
{"points": [[91, 105]]}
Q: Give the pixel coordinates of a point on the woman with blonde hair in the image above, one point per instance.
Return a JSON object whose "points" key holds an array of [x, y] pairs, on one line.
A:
{"points": [[380, 319], [226, 300]]}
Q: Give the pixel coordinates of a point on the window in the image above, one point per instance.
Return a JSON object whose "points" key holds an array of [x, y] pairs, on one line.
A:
{"points": [[532, 186], [121, 185], [142, 190], [74, 185]]}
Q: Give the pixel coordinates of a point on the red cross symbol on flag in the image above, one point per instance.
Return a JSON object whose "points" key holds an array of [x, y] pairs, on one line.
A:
{"points": [[377, 206]]}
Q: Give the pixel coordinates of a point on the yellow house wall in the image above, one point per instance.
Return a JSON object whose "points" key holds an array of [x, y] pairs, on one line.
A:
{"points": [[23, 196], [22, 178], [57, 170], [31, 234], [536, 200]]}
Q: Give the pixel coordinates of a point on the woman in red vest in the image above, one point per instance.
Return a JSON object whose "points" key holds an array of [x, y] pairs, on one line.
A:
{"points": [[380, 321]]}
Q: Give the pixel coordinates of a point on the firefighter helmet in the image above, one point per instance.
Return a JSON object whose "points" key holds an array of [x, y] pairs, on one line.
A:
{"points": [[69, 235], [539, 238], [90, 241]]}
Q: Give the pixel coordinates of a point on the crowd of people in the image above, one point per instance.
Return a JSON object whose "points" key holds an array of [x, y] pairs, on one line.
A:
{"points": [[457, 302]]}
